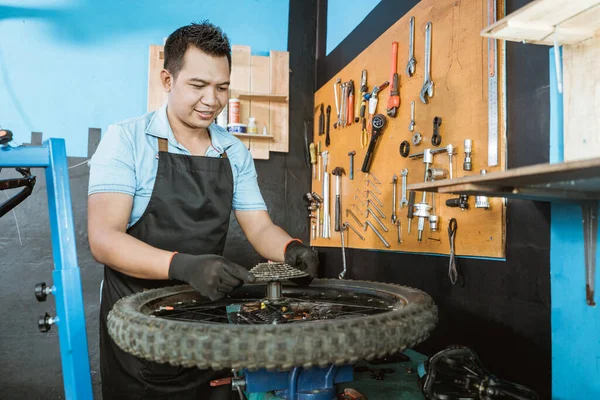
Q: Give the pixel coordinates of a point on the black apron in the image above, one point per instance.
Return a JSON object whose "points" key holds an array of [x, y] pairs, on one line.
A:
{"points": [[188, 212]]}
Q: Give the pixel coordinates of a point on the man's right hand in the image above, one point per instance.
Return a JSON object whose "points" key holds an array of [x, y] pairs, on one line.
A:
{"points": [[211, 275]]}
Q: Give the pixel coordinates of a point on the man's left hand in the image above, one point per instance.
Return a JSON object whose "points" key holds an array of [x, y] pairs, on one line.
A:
{"points": [[302, 257]]}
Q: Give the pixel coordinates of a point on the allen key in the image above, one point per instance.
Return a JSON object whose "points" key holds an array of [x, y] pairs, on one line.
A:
{"points": [[348, 211], [376, 219], [381, 214], [378, 234], [374, 186], [357, 209], [374, 197], [377, 181], [349, 225]]}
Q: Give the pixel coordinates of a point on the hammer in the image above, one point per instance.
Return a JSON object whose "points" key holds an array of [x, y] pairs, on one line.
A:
{"points": [[351, 154], [338, 172]]}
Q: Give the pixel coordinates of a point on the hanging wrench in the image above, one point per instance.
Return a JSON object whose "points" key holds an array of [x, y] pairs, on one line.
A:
{"points": [[410, 68], [343, 273], [427, 90], [394, 217], [404, 201], [411, 126], [337, 102]]}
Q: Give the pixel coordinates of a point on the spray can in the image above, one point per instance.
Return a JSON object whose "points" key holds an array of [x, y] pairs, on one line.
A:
{"points": [[234, 111]]}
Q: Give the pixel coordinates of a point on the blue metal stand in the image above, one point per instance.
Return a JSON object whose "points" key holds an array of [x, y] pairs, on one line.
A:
{"points": [[67, 280]]}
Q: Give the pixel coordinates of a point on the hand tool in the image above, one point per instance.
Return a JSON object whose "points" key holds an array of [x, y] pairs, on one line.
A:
{"points": [[434, 174], [450, 150], [452, 270], [368, 192], [394, 99], [436, 138], [344, 105], [394, 217], [462, 201], [338, 172], [411, 207], [343, 273], [492, 91], [358, 198], [349, 225], [404, 174], [410, 67], [369, 182], [377, 181], [427, 90], [399, 225], [319, 161], [327, 137], [404, 149], [467, 164], [371, 203], [326, 218], [386, 244], [357, 209], [416, 138], [349, 212], [352, 154], [378, 124], [373, 99], [350, 117], [433, 220], [482, 201], [322, 120], [313, 159], [411, 126], [364, 138], [360, 104], [337, 101], [422, 208], [376, 219], [319, 201]]}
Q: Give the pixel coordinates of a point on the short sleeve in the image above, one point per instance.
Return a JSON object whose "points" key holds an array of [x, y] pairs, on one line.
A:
{"points": [[246, 193], [112, 167]]}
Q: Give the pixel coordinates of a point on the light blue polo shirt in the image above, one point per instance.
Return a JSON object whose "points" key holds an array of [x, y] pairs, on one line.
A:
{"points": [[126, 161]]}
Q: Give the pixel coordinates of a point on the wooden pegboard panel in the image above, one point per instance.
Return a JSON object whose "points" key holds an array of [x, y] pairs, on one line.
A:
{"points": [[459, 70]]}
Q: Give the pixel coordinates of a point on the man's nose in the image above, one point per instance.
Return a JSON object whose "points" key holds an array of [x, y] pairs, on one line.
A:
{"points": [[210, 97]]}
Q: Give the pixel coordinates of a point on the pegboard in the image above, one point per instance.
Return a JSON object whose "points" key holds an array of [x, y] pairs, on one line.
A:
{"points": [[459, 69]]}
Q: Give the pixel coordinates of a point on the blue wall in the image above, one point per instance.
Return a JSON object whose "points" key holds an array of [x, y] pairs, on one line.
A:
{"points": [[575, 325], [70, 65], [343, 16]]}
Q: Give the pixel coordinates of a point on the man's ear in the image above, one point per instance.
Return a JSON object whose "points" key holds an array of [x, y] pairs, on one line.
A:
{"points": [[166, 79]]}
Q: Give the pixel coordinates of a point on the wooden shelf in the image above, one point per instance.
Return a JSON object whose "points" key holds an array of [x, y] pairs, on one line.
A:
{"points": [[574, 181], [573, 21], [263, 96], [252, 135]]}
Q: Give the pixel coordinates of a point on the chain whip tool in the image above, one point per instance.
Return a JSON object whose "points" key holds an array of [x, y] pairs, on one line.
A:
{"points": [[452, 271]]}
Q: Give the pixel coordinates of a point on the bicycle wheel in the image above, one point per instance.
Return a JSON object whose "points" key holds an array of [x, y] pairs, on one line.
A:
{"points": [[329, 322]]}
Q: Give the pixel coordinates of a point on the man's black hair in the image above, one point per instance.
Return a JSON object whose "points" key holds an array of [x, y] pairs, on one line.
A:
{"points": [[204, 36]]}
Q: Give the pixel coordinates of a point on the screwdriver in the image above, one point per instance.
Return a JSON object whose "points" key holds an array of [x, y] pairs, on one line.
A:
{"points": [[350, 118], [411, 204], [313, 159]]}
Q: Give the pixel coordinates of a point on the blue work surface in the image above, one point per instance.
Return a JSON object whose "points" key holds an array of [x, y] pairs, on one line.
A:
{"points": [[400, 385]]}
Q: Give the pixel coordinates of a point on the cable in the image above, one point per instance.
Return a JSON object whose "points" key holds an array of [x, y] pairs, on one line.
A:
{"points": [[77, 165], [452, 271]]}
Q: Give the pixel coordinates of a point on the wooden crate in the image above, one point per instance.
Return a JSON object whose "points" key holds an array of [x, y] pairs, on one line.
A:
{"points": [[262, 85], [459, 70]]}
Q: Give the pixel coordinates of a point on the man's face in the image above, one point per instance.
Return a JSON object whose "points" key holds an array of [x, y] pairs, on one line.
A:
{"points": [[201, 89]]}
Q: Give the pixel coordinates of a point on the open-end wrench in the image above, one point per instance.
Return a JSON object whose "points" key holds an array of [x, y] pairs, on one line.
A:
{"points": [[427, 90], [376, 219], [410, 68], [337, 101], [394, 216], [377, 233], [404, 201]]}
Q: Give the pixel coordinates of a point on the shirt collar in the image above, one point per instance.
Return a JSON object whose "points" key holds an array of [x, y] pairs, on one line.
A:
{"points": [[159, 126]]}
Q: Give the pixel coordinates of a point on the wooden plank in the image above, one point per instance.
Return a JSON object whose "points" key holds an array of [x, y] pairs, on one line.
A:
{"points": [[280, 82], [581, 78], [524, 193], [539, 21], [156, 93], [259, 109], [240, 80], [459, 70], [263, 96], [251, 136], [574, 173]]}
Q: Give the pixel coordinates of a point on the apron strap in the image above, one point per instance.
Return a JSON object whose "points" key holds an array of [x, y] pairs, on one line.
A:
{"points": [[163, 145]]}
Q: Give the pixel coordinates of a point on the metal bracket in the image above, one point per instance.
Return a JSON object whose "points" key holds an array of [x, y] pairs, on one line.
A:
{"points": [[589, 211]]}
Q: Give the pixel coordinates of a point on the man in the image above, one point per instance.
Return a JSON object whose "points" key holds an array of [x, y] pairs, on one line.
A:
{"points": [[162, 187]]}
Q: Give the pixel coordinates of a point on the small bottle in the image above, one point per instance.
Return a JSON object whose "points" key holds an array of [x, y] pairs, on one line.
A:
{"points": [[264, 132], [252, 125], [234, 111]]}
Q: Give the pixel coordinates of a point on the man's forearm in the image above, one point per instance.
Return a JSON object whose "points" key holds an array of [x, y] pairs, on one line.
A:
{"points": [[270, 242], [129, 255]]}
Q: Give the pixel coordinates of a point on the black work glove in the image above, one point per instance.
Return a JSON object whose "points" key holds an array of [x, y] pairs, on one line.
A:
{"points": [[211, 275], [302, 257]]}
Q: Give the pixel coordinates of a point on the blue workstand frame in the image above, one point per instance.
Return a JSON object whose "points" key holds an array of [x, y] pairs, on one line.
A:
{"points": [[67, 279]]}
